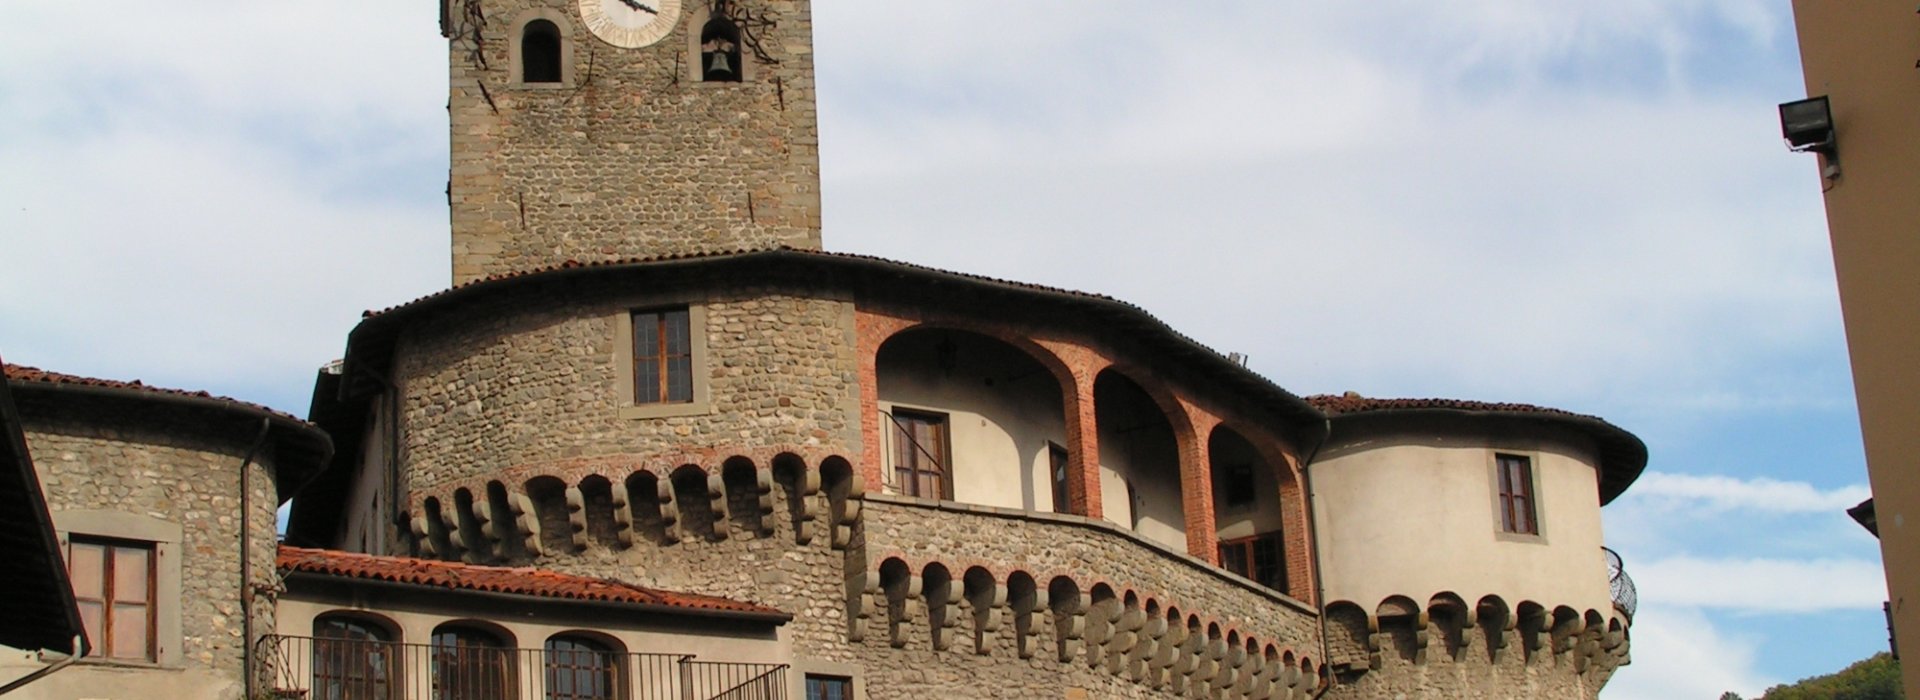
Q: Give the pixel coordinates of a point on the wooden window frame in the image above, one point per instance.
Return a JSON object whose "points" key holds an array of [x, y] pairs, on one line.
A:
{"points": [[628, 360], [845, 683], [107, 597], [1249, 550], [941, 453], [1516, 495]]}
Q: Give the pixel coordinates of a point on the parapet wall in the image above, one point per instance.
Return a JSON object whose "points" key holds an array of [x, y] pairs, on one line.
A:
{"points": [[1485, 650]]}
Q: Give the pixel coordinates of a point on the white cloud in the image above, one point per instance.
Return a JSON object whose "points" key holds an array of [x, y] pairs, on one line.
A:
{"points": [[1761, 585], [1720, 493], [1679, 653]]}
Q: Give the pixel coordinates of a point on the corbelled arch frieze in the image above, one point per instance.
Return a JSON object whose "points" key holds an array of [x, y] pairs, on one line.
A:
{"points": [[1399, 632], [1072, 619]]}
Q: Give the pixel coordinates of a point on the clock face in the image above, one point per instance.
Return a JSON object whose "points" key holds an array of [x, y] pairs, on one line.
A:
{"points": [[630, 24]]}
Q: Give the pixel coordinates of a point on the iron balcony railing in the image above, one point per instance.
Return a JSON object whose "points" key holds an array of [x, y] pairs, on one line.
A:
{"points": [[1625, 596], [341, 669]]}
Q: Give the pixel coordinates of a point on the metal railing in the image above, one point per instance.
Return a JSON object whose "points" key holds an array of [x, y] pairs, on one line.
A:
{"points": [[341, 669], [1625, 595]]}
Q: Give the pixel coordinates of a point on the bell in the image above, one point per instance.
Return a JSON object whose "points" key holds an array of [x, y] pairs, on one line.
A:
{"points": [[720, 64]]}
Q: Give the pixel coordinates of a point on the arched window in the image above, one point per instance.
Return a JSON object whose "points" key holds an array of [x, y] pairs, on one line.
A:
{"points": [[720, 51], [354, 658], [540, 52], [470, 663], [581, 668]]}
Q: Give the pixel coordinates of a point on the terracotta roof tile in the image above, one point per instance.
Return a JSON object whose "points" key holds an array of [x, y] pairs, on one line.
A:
{"points": [[1338, 404], [497, 579], [22, 373], [575, 264]]}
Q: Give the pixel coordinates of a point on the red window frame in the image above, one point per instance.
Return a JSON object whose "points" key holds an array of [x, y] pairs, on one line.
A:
{"points": [[1261, 559]]}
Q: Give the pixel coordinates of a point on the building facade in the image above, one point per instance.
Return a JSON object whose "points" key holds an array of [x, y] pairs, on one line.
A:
{"points": [[654, 442], [1862, 57]]}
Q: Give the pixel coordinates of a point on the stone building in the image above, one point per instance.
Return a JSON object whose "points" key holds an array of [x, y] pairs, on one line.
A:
{"points": [[656, 442]]}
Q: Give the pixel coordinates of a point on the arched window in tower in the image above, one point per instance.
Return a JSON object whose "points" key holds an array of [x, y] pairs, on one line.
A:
{"points": [[540, 52], [720, 51]]}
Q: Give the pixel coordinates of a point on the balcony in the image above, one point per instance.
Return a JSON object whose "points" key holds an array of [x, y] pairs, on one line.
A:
{"points": [[1625, 596], [341, 669]]}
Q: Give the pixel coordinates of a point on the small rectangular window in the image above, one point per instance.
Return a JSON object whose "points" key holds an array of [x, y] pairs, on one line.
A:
{"points": [[662, 357], [113, 582], [1057, 469], [1517, 511], [829, 687], [1235, 484], [920, 455]]}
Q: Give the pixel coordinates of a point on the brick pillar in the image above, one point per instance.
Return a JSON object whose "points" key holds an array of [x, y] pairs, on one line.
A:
{"points": [[1196, 483], [1077, 367], [1083, 447], [872, 330], [1295, 527]]}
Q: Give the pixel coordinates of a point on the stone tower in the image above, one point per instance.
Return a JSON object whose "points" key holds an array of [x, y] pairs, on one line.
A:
{"points": [[596, 130]]}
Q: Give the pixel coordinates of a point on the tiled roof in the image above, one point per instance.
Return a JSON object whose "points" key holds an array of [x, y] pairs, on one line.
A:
{"points": [[1338, 404], [22, 373], [497, 579], [575, 264]]}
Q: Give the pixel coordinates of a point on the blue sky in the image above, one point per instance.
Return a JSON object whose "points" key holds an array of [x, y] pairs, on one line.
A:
{"points": [[1577, 204]]}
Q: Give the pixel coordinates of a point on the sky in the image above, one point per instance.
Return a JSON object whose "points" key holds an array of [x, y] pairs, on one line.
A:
{"points": [[1585, 205]]}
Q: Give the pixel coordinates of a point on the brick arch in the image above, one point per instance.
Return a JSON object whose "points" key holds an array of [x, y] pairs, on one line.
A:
{"points": [[1072, 366], [1295, 523]]}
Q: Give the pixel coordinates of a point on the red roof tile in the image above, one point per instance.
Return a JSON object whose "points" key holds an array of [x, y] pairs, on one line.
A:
{"points": [[498, 579], [22, 373]]}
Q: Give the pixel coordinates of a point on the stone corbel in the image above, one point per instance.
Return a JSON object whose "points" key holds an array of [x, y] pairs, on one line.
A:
{"points": [[1126, 635], [1166, 651], [669, 511], [1565, 635], [423, 535], [490, 532], [577, 517], [904, 611], [848, 512], [763, 501], [456, 540], [1072, 631], [1233, 668], [1376, 641], [1186, 661], [947, 608], [861, 588], [718, 506], [1140, 658], [1100, 618], [526, 523], [1422, 636], [807, 511], [1027, 642], [987, 619], [622, 516]]}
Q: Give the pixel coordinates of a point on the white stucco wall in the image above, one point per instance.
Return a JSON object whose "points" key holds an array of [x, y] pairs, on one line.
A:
{"points": [[1415, 515], [1003, 411]]}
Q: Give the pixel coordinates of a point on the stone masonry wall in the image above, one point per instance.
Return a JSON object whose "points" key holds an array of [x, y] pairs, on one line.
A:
{"points": [[154, 466], [510, 395], [634, 157], [801, 548], [1046, 545]]}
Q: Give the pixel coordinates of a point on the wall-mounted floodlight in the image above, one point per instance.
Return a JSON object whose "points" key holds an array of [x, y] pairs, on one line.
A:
{"points": [[1808, 126]]}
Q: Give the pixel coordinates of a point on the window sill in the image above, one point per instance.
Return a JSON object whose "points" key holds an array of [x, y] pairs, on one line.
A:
{"points": [[1521, 538], [541, 86], [127, 664], [665, 410]]}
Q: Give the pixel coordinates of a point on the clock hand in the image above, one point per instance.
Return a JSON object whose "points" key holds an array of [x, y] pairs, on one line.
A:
{"points": [[635, 4]]}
